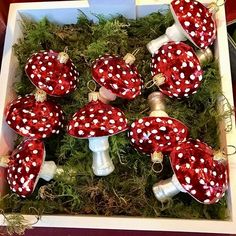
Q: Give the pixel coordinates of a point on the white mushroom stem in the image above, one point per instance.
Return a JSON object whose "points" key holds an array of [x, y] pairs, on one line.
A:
{"points": [[106, 96], [166, 189], [173, 33], [40, 95], [102, 163], [4, 161], [48, 170], [129, 58], [157, 106], [204, 55]]}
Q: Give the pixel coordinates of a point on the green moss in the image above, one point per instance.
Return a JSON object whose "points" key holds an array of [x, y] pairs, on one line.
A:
{"points": [[128, 190]]}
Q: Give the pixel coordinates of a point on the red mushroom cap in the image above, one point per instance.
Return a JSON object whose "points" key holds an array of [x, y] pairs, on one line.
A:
{"points": [[179, 65], [97, 119], [24, 166], [46, 72], [150, 134], [200, 175], [33, 119], [120, 78], [196, 21]]}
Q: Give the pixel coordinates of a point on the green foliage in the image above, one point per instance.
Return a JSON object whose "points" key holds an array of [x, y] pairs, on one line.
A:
{"points": [[128, 190]]}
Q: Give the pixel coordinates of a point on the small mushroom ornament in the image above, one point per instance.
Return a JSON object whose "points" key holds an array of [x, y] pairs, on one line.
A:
{"points": [[193, 21], [117, 77], [27, 165], [176, 69], [96, 121], [157, 133], [198, 171], [34, 117], [52, 72]]}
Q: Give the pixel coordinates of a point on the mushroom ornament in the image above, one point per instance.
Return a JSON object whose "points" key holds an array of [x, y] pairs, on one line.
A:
{"points": [[34, 117], [193, 21], [157, 133], [52, 72], [117, 77], [96, 121], [176, 69], [198, 171], [27, 165]]}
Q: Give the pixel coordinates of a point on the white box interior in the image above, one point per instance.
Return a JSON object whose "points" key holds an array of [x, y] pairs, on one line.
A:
{"points": [[67, 12]]}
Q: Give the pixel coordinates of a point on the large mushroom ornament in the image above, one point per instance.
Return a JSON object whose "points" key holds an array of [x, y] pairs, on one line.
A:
{"points": [[176, 69], [33, 117], [117, 77], [158, 133], [52, 72], [96, 121], [198, 171], [193, 21], [27, 165]]}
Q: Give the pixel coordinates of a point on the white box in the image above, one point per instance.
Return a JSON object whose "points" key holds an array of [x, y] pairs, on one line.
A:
{"points": [[66, 12]]}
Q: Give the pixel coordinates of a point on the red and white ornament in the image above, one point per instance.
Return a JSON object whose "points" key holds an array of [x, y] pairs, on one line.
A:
{"points": [[52, 72], [96, 122], [157, 133], [117, 76], [193, 21], [176, 69], [34, 117], [26, 165], [198, 171]]}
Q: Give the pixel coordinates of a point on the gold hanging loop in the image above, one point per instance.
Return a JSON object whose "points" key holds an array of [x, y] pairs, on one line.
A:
{"points": [[157, 167], [232, 150], [135, 52], [149, 84], [91, 85], [66, 49]]}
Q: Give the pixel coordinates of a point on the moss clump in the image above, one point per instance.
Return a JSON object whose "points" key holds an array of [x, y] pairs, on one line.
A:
{"points": [[127, 191]]}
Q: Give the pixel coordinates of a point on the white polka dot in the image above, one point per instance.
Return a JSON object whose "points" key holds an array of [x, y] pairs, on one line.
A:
{"points": [[189, 53], [187, 165], [193, 191], [175, 130], [87, 125], [35, 151], [43, 68], [80, 132], [188, 180], [180, 155], [202, 181], [182, 76], [178, 52], [187, 23], [206, 201], [162, 128]]}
